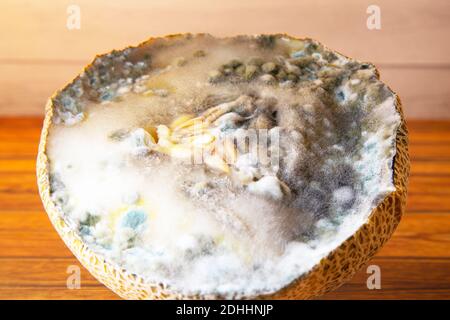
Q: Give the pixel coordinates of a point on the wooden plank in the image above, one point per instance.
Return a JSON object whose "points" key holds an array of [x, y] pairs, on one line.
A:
{"points": [[15, 196], [411, 31], [428, 132], [46, 278], [24, 182], [25, 149], [434, 135], [422, 152], [41, 272], [426, 192], [7, 123], [400, 279], [30, 235], [437, 185], [420, 99], [17, 165], [415, 263], [428, 126], [420, 235], [419, 167], [420, 202], [57, 293], [21, 202], [19, 135], [431, 167], [24, 144], [29, 97], [43, 80]]}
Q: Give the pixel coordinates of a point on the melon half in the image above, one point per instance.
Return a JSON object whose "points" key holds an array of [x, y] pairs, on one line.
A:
{"points": [[198, 167]]}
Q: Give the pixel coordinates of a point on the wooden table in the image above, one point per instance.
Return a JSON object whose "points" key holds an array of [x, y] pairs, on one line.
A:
{"points": [[415, 263]]}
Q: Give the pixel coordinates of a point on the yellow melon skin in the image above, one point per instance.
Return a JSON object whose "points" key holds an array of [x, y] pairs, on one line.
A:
{"points": [[331, 272]]}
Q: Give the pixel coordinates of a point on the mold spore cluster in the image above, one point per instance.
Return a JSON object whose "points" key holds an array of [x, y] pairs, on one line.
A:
{"points": [[122, 134]]}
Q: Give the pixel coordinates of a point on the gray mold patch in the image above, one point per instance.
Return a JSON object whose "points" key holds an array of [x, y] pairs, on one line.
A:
{"points": [[118, 176]]}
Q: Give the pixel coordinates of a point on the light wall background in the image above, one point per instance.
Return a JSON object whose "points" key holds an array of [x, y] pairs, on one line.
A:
{"points": [[38, 54]]}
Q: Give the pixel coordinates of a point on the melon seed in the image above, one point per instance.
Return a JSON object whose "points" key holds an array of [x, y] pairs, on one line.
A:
{"points": [[281, 75], [267, 78], [269, 67], [214, 76], [240, 71], [290, 68], [250, 71], [227, 70], [292, 77]]}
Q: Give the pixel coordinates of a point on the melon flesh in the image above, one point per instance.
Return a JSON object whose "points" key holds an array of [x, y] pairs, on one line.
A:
{"points": [[122, 144]]}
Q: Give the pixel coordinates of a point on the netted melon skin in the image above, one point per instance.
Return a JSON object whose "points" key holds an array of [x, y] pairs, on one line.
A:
{"points": [[331, 272]]}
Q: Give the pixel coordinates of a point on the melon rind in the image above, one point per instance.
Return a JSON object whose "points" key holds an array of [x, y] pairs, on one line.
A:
{"points": [[332, 271]]}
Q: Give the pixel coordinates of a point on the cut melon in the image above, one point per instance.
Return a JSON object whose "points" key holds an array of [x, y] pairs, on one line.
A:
{"points": [[247, 167]]}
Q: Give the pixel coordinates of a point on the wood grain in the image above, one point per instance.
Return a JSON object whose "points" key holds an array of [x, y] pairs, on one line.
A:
{"points": [[415, 263], [411, 31], [38, 54], [421, 100]]}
